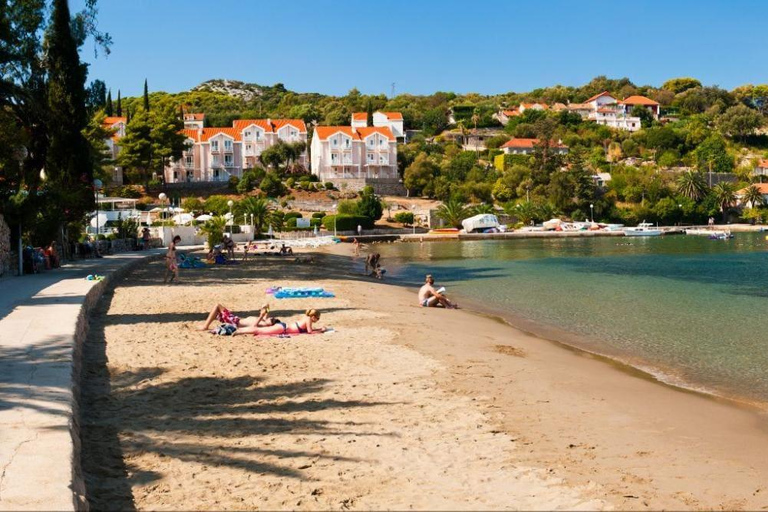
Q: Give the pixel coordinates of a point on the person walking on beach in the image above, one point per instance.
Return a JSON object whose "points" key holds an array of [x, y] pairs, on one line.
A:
{"points": [[357, 246], [171, 266], [429, 297], [229, 245]]}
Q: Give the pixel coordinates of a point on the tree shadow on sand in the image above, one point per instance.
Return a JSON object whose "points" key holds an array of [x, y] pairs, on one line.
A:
{"points": [[131, 413]]}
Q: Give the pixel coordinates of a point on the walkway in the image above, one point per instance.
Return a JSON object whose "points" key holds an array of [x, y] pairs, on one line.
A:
{"points": [[42, 323]]}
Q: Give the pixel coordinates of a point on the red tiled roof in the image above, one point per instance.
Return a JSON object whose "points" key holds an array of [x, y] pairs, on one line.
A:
{"points": [[763, 164], [370, 130], [323, 132], [511, 113], [579, 106], [639, 100], [393, 116], [207, 133], [114, 120], [762, 187], [528, 143], [242, 124], [195, 117], [593, 98], [531, 105], [192, 134], [359, 116], [607, 110], [296, 123]]}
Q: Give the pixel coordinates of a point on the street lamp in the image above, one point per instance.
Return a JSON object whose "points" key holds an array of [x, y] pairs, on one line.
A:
{"points": [[680, 205], [97, 184], [592, 212], [162, 197]]}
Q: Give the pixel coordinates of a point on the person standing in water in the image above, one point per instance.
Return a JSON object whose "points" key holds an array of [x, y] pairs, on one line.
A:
{"points": [[171, 266]]}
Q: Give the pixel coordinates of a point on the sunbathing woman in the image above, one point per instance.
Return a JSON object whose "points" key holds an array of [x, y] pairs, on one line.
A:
{"points": [[302, 326], [225, 316]]}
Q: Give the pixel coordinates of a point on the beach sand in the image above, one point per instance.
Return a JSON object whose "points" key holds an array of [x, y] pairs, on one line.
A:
{"points": [[401, 407]]}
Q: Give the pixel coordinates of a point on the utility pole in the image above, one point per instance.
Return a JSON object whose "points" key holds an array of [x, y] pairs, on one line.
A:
{"points": [[392, 91]]}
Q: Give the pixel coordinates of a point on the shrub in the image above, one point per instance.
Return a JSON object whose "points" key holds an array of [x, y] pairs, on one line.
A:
{"points": [[234, 181], [369, 204], [318, 215], [404, 217], [290, 182], [127, 191], [329, 185], [346, 222], [347, 207], [192, 204], [217, 204], [271, 185], [295, 215]]}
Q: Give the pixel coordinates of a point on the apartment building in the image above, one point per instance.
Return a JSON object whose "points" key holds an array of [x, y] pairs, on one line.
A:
{"points": [[116, 123], [352, 157], [391, 120], [216, 154]]}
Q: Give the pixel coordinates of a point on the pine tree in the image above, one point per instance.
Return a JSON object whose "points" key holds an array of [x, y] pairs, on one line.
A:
{"points": [[146, 96], [369, 117], [119, 110], [109, 108], [68, 165]]}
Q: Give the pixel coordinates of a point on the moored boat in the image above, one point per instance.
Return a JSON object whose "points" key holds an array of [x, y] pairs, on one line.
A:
{"points": [[643, 229]]}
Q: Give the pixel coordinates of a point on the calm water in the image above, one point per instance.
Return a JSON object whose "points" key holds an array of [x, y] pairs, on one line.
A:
{"points": [[692, 311]]}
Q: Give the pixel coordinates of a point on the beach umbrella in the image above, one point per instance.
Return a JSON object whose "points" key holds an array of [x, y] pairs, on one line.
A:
{"points": [[183, 218], [204, 217], [102, 220]]}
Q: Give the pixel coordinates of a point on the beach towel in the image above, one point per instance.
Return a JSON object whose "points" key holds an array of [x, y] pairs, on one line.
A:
{"points": [[297, 293], [274, 289]]}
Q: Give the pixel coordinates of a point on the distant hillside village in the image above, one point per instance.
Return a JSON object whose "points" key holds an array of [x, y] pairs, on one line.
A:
{"points": [[610, 147]]}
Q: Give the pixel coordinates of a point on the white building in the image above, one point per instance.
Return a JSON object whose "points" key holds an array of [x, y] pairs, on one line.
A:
{"points": [[353, 157], [391, 120], [216, 154], [615, 117]]}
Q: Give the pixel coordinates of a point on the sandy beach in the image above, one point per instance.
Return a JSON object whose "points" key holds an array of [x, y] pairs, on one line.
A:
{"points": [[401, 407]]}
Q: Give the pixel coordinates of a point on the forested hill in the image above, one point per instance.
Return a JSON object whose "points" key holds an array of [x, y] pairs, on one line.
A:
{"points": [[225, 100]]}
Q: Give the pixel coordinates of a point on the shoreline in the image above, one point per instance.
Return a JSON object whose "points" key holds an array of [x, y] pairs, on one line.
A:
{"points": [[401, 406]]}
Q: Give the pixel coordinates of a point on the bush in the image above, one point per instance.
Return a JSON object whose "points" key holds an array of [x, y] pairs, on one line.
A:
{"points": [[295, 215], [192, 204], [347, 207], [234, 181], [271, 185], [318, 215], [329, 185], [346, 222], [127, 191], [290, 182], [369, 204], [217, 204], [404, 218]]}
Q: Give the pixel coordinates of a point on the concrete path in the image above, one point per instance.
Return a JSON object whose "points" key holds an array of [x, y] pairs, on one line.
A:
{"points": [[43, 321]]}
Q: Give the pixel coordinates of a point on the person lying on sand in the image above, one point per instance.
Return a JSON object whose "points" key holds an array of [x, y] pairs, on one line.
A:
{"points": [[225, 316], [304, 325], [304, 259], [285, 251], [429, 297]]}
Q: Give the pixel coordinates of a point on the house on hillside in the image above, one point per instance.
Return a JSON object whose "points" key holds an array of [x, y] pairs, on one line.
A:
{"points": [[627, 104], [216, 154], [194, 121], [117, 124], [518, 146], [583, 109], [761, 169], [391, 120], [503, 116], [532, 106], [762, 187], [354, 157]]}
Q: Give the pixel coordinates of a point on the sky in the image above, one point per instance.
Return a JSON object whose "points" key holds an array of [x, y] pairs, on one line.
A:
{"points": [[423, 46]]}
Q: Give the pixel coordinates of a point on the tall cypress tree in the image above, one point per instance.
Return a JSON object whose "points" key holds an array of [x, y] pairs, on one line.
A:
{"points": [[369, 113], [119, 110], [109, 108], [146, 96], [68, 165]]}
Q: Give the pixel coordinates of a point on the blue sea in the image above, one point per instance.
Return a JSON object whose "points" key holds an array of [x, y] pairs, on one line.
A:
{"points": [[689, 310]]}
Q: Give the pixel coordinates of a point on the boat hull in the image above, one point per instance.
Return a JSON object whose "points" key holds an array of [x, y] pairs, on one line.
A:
{"points": [[650, 232]]}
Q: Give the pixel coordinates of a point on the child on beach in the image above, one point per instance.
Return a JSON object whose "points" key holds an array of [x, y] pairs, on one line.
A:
{"points": [[171, 265], [226, 316]]}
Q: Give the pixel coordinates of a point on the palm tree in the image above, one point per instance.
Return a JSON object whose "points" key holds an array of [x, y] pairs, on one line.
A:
{"points": [[259, 208], [753, 197], [453, 212], [525, 211], [725, 195], [482, 208], [214, 230], [691, 184]]}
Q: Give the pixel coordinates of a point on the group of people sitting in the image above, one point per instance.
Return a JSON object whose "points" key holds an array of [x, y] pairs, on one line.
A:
{"points": [[264, 324], [37, 259]]}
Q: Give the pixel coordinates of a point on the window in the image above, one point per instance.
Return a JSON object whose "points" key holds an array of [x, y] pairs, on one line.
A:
{"points": [[175, 175], [381, 141], [384, 159], [247, 135], [334, 158], [215, 173], [248, 147], [370, 158], [216, 160], [214, 145], [227, 145], [188, 160], [347, 143], [258, 135], [371, 142], [228, 160], [334, 142], [294, 133]]}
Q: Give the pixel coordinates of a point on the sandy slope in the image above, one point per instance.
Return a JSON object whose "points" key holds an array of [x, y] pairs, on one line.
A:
{"points": [[400, 408]]}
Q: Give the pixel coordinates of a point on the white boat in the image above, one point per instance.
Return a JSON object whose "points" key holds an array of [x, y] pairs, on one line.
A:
{"points": [[643, 229], [719, 234]]}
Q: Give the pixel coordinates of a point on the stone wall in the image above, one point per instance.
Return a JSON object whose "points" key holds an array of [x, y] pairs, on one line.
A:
{"points": [[381, 186], [5, 247]]}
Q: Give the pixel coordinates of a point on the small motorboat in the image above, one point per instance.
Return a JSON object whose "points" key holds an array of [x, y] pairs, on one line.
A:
{"points": [[643, 229], [720, 235]]}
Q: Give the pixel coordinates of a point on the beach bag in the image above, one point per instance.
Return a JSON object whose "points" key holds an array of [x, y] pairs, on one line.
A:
{"points": [[226, 330]]}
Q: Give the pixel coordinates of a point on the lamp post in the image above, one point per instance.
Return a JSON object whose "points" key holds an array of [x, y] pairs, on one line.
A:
{"points": [[680, 205], [230, 203], [96, 186], [162, 197], [592, 212]]}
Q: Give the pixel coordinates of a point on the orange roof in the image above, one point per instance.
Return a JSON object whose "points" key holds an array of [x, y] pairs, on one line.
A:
{"points": [[207, 133], [242, 124], [607, 110], [511, 113], [762, 187], [192, 134], [593, 98], [114, 120], [323, 132], [528, 143], [370, 130], [393, 116], [296, 123], [531, 105], [579, 106], [359, 116], [196, 117], [763, 163], [639, 100]]}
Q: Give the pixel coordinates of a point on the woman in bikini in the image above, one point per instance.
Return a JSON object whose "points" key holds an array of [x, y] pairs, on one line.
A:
{"points": [[171, 265], [302, 326], [226, 316]]}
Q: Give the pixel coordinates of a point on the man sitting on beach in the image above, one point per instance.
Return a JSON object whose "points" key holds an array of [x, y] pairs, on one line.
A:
{"points": [[429, 297]]}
